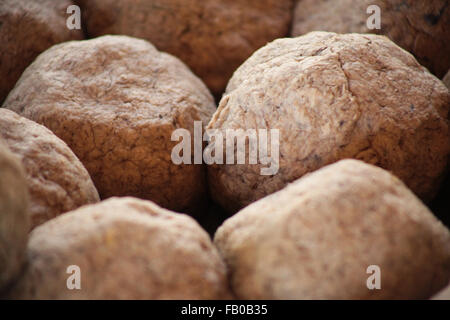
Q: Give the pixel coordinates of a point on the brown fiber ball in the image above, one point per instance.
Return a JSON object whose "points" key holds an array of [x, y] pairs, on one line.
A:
{"points": [[316, 238], [333, 97], [420, 27], [213, 37], [125, 248], [14, 219], [56, 179], [27, 28], [115, 101]]}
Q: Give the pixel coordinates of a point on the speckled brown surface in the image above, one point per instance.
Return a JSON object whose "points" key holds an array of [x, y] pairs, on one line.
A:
{"points": [[126, 249], [213, 37], [115, 101], [56, 179], [27, 28], [315, 239], [333, 97], [420, 27], [14, 218]]}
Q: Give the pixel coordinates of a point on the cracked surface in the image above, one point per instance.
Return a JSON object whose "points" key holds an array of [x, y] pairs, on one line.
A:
{"points": [[334, 97], [315, 239], [115, 101], [213, 37], [27, 28], [14, 218], [420, 27], [126, 249], [56, 179]]}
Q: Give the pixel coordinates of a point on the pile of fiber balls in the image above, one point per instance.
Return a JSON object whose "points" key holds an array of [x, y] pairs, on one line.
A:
{"points": [[88, 184]]}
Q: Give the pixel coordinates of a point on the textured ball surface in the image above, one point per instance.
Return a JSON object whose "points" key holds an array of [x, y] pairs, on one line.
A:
{"points": [[28, 28], [333, 97], [213, 37], [14, 218], [56, 179], [420, 27], [316, 238], [125, 248], [115, 101]]}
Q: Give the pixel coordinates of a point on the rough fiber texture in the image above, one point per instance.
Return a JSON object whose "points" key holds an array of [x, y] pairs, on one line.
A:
{"points": [[315, 239], [13, 216], [420, 27], [115, 101], [56, 179], [213, 37], [126, 249], [27, 28], [443, 294], [333, 97], [446, 80]]}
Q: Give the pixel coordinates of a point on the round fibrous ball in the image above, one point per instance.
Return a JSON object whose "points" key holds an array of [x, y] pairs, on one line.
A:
{"points": [[122, 248], [347, 231], [116, 101], [14, 219], [446, 80], [27, 28], [420, 27], [56, 179], [332, 97], [213, 37], [444, 294]]}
